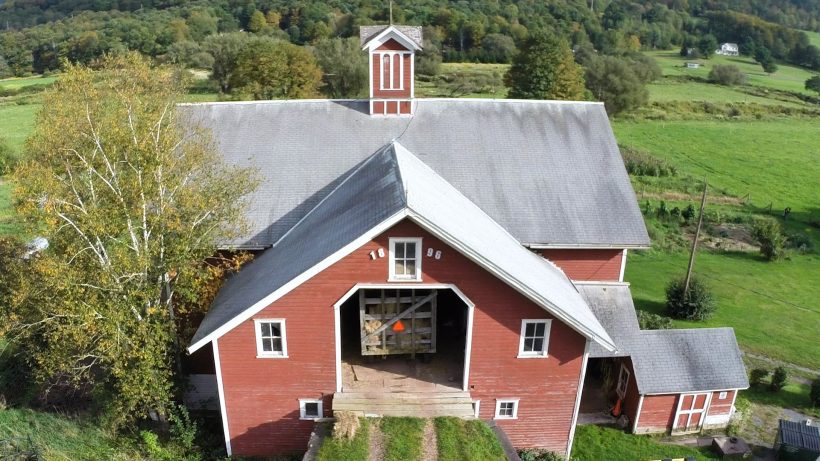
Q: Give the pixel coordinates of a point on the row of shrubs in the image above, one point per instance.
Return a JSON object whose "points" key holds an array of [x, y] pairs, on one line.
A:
{"points": [[705, 110], [779, 378]]}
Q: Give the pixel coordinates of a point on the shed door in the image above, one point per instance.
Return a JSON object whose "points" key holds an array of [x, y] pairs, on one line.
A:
{"points": [[691, 411]]}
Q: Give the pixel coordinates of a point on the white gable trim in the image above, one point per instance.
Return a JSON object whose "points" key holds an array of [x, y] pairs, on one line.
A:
{"points": [[223, 412], [437, 232], [387, 34], [298, 280], [512, 281]]}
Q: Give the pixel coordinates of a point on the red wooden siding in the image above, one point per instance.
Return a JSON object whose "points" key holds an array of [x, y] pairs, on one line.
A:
{"points": [[392, 45], [632, 397], [378, 93], [721, 406], [587, 265], [262, 394], [657, 413]]}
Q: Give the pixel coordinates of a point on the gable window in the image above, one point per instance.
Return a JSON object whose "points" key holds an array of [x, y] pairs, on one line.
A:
{"points": [[405, 259], [723, 395], [623, 381], [535, 336], [271, 340], [506, 409], [310, 409]]}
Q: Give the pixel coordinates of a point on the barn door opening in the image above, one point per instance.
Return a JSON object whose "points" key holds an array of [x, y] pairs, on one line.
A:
{"points": [[691, 411], [403, 339]]}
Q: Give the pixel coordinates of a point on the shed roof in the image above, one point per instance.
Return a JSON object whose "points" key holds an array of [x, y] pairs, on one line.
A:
{"points": [[800, 435], [665, 361], [549, 172], [389, 186], [612, 305], [687, 360]]}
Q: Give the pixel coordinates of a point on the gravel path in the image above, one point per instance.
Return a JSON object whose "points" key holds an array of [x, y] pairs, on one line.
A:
{"points": [[430, 442], [376, 441]]}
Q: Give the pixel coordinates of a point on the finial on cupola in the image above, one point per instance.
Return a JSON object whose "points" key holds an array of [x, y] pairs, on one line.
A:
{"points": [[392, 50]]}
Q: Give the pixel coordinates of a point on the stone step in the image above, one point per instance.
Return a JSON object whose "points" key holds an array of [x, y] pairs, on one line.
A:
{"points": [[417, 404]]}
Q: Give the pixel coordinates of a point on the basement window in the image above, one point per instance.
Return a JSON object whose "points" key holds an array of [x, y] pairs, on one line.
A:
{"points": [[506, 409], [310, 409], [405, 259], [271, 340], [535, 336]]}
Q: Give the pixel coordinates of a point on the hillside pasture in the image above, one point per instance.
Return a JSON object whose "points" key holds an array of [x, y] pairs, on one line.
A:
{"points": [[775, 161], [787, 78], [17, 83]]}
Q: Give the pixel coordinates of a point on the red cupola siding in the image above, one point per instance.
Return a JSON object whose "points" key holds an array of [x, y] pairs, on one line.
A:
{"points": [[392, 62]]}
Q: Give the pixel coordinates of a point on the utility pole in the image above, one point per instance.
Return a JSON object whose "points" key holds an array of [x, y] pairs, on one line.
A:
{"points": [[695, 242]]}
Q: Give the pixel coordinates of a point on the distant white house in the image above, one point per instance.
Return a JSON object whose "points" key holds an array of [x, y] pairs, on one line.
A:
{"points": [[693, 65], [728, 49]]}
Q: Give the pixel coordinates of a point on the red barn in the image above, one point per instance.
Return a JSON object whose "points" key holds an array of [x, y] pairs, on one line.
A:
{"points": [[424, 257]]}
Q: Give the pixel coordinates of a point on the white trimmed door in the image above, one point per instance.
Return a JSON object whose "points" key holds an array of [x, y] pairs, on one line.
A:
{"points": [[691, 412]]}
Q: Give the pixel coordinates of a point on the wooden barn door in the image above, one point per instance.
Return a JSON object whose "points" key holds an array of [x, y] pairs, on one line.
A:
{"points": [[691, 412], [400, 321]]}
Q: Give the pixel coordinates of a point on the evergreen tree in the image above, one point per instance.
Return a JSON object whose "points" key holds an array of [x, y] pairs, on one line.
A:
{"points": [[545, 69]]}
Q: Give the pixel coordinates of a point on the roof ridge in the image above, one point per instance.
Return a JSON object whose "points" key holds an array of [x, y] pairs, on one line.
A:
{"points": [[415, 100]]}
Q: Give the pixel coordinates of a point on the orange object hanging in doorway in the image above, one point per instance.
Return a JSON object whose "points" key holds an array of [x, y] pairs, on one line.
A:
{"points": [[398, 327]]}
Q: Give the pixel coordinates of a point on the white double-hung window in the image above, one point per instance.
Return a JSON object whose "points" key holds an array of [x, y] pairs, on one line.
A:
{"points": [[271, 340], [405, 259], [535, 337]]}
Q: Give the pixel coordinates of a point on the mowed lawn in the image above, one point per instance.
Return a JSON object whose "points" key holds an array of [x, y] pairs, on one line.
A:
{"points": [[776, 161], [772, 306], [15, 83], [667, 89], [595, 443], [17, 123], [788, 78]]}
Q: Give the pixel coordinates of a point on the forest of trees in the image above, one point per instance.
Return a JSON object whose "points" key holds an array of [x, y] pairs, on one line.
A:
{"points": [[36, 36]]}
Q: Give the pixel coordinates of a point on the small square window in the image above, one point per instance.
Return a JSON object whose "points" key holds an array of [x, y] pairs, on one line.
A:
{"points": [[270, 338], [405, 259], [476, 408], [310, 409], [535, 336], [506, 409], [723, 395]]}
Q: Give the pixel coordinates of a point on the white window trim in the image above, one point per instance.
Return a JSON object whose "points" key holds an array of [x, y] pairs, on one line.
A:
{"points": [[392, 56], [302, 414], [476, 409], [534, 355], [723, 395], [498, 403], [622, 393], [260, 352], [391, 260]]}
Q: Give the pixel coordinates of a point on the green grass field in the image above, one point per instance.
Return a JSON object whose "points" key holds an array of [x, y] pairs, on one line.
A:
{"points": [[17, 122], [776, 161], [788, 78], [772, 306], [814, 37], [61, 438], [403, 438], [15, 83], [356, 449], [460, 440], [667, 89], [595, 443]]}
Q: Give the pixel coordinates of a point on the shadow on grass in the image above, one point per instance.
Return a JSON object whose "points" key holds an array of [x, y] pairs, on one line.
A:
{"points": [[649, 305]]}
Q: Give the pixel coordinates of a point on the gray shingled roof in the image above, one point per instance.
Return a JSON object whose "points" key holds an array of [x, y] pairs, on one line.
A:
{"points": [[673, 361], [393, 181], [665, 361], [548, 172], [612, 305], [368, 32]]}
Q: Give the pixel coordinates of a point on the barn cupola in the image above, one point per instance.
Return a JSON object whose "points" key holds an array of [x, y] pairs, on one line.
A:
{"points": [[392, 51]]}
